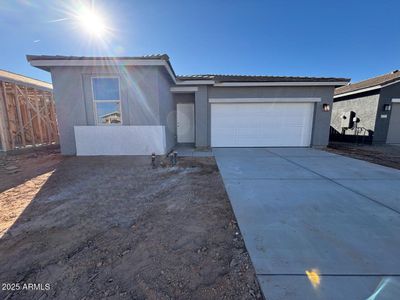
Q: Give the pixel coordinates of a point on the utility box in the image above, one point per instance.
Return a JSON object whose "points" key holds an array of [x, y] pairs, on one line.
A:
{"points": [[348, 120]]}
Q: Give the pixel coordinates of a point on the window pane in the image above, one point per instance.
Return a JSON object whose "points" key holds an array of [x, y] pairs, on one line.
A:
{"points": [[105, 88], [108, 113]]}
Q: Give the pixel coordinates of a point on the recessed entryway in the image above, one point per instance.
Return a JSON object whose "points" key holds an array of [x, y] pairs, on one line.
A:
{"points": [[185, 122]]}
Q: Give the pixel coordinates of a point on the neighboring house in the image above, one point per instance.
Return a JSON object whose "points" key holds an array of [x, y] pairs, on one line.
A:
{"points": [[27, 112], [152, 109], [376, 103], [110, 118]]}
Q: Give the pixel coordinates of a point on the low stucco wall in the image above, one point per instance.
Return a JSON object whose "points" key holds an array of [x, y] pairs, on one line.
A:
{"points": [[120, 140]]}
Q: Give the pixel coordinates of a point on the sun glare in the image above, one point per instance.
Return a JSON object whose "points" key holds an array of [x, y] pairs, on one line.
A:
{"points": [[313, 276], [92, 22]]}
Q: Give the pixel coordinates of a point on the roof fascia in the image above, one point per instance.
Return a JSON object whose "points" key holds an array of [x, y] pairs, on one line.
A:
{"points": [[376, 87], [283, 83], [102, 63]]}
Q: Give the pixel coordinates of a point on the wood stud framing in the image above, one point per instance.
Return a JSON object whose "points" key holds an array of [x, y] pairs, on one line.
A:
{"points": [[27, 117]]}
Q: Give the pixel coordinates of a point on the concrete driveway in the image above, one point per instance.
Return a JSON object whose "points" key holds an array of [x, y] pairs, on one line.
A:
{"points": [[303, 210]]}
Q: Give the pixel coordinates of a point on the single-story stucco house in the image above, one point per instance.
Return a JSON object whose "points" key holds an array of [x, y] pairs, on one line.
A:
{"points": [[375, 103], [137, 105]]}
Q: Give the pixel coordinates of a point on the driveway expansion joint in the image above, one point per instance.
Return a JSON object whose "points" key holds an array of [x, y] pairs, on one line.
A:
{"points": [[343, 186]]}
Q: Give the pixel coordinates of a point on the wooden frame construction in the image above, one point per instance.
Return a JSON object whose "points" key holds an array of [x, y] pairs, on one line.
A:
{"points": [[27, 114]]}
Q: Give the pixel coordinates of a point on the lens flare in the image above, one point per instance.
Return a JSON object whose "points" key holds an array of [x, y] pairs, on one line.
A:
{"points": [[314, 277]]}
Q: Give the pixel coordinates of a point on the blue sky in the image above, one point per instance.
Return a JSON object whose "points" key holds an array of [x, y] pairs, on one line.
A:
{"points": [[356, 39]]}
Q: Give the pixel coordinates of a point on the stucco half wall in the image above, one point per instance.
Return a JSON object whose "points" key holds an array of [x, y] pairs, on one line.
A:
{"points": [[120, 140]]}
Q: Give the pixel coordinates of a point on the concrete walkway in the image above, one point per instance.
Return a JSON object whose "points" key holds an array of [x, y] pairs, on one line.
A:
{"points": [[302, 210], [191, 151]]}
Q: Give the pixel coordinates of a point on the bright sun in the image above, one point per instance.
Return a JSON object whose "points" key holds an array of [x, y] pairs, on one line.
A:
{"points": [[92, 22]]}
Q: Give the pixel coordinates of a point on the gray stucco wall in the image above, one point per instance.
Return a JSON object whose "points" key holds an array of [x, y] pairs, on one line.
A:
{"points": [[139, 93], [167, 107], [369, 109], [320, 134], [202, 117], [142, 91], [393, 136], [382, 124], [70, 107], [365, 108], [184, 98]]}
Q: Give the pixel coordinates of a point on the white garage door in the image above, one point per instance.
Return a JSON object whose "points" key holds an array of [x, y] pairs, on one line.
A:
{"points": [[261, 124]]}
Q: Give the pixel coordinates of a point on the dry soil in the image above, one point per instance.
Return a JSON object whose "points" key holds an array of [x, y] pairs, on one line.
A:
{"points": [[117, 228], [385, 155]]}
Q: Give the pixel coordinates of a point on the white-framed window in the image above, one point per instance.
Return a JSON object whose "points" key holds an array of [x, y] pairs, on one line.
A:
{"points": [[106, 100]]}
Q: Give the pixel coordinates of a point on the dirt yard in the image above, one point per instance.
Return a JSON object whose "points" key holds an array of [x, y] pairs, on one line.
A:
{"points": [[385, 155], [114, 227], [16, 169]]}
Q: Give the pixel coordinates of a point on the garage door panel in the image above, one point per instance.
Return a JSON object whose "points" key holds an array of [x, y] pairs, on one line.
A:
{"points": [[261, 124]]}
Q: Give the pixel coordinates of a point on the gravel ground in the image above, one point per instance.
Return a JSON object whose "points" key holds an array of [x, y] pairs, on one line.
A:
{"points": [[116, 228], [385, 155]]}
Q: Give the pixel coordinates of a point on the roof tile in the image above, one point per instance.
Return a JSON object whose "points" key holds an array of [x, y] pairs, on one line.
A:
{"points": [[371, 82], [215, 77], [259, 78]]}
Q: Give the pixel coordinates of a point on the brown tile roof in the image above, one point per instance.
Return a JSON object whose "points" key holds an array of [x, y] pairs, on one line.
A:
{"points": [[376, 81], [252, 78], [24, 80]]}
